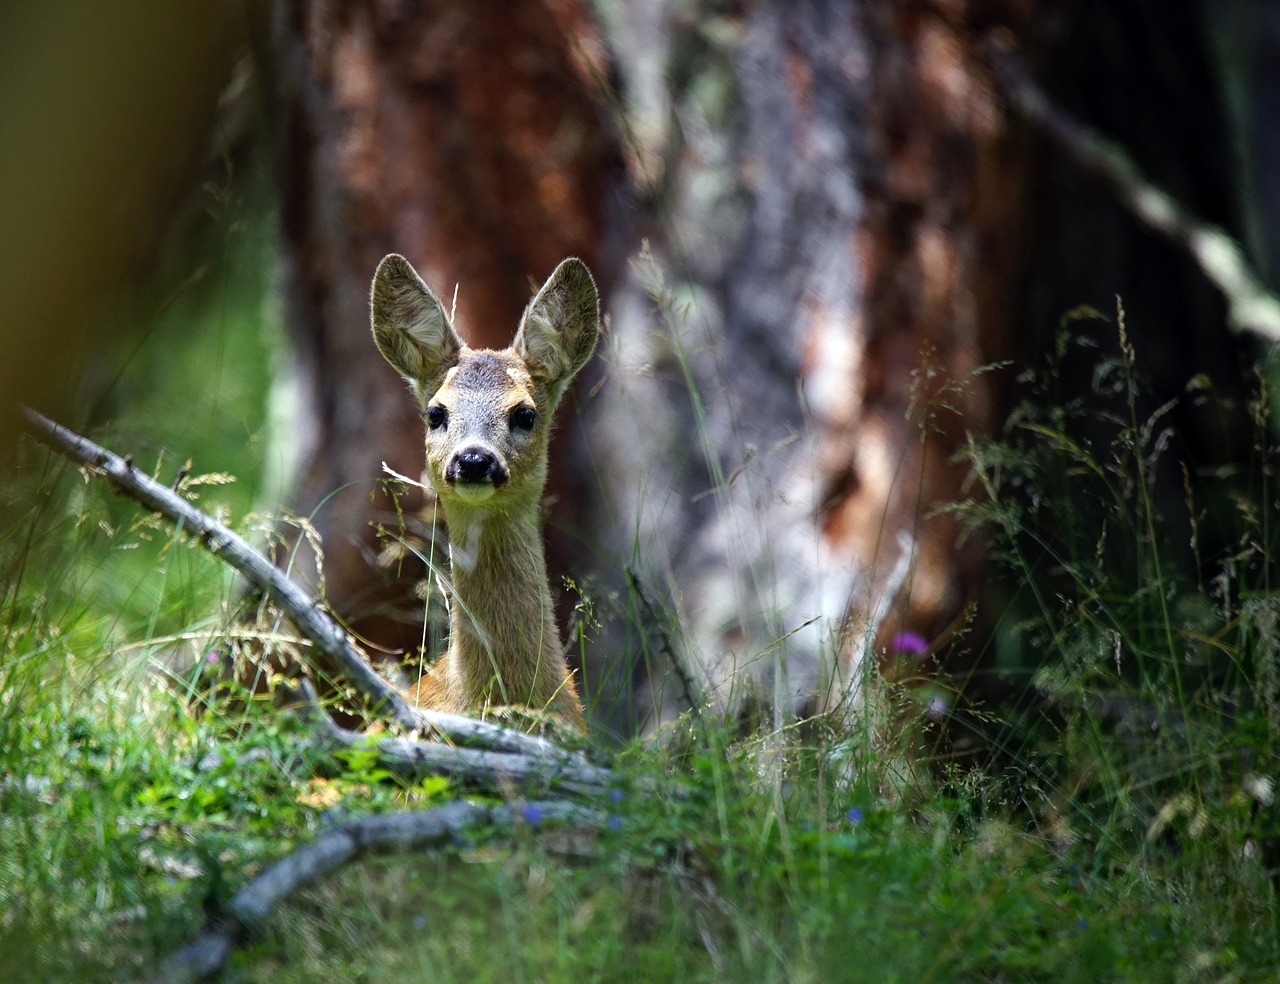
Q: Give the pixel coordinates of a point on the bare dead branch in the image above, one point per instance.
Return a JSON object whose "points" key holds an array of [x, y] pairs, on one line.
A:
{"points": [[301, 608], [492, 771], [424, 830], [1250, 305]]}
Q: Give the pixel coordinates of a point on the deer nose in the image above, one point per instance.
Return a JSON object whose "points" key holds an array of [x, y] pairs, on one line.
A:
{"points": [[476, 465]]}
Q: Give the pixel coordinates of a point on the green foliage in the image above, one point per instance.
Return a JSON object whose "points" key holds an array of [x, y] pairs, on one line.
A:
{"points": [[1125, 829], [1143, 619]]}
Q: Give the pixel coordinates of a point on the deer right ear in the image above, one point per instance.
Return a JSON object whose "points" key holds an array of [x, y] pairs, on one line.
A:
{"points": [[410, 326]]}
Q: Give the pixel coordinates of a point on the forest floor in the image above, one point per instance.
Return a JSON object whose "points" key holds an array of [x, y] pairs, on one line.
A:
{"points": [[1076, 843], [1107, 812]]}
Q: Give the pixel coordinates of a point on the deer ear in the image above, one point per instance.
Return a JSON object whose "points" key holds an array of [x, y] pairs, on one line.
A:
{"points": [[410, 327], [560, 326]]}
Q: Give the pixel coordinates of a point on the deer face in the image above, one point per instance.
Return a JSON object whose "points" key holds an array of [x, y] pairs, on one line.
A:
{"points": [[485, 433], [488, 413]]}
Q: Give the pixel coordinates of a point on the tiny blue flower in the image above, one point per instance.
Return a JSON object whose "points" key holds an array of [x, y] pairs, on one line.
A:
{"points": [[616, 795], [854, 814], [533, 814], [615, 822], [1082, 923], [419, 921]]}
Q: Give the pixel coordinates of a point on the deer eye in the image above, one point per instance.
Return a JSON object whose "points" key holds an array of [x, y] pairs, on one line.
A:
{"points": [[436, 416], [522, 418]]}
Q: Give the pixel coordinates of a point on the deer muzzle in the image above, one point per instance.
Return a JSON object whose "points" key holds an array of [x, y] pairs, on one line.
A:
{"points": [[476, 467]]}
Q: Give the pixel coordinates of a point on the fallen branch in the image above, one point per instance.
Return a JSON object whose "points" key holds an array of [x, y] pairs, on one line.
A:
{"points": [[486, 770], [1250, 305], [492, 771], [508, 761], [433, 829], [303, 610]]}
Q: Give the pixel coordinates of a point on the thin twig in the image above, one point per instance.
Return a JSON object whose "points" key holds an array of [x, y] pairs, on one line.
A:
{"points": [[693, 694], [1250, 305], [301, 608], [433, 829]]}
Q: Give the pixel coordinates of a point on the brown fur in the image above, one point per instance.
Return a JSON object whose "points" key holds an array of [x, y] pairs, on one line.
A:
{"points": [[504, 645]]}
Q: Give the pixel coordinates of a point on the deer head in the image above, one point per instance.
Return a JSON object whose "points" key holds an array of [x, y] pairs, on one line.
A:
{"points": [[488, 412]]}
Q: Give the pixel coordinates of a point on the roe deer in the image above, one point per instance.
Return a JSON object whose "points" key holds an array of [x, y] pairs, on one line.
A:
{"points": [[488, 416]]}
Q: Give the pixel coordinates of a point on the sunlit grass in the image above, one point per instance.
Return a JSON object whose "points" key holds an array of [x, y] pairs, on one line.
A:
{"points": [[1117, 824]]}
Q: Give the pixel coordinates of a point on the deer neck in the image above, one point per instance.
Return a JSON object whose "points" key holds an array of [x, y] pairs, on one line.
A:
{"points": [[504, 645]]}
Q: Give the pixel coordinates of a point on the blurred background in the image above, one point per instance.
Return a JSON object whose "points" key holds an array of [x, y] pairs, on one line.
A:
{"points": [[813, 224]]}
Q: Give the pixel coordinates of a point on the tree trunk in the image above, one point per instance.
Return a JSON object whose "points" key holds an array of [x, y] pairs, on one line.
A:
{"points": [[834, 280], [468, 137], [843, 223], [850, 223]]}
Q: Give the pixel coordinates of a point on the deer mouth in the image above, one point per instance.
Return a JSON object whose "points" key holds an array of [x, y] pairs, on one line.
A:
{"points": [[472, 491]]}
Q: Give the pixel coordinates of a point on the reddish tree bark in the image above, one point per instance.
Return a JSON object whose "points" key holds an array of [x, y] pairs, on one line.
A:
{"points": [[467, 136], [938, 248]]}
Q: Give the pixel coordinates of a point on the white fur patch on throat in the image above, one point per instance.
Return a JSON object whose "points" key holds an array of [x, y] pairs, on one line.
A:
{"points": [[464, 552]]}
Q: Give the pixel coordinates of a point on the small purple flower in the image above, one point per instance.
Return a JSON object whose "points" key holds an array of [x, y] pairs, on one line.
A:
{"points": [[533, 814], [854, 814], [910, 644], [615, 822], [937, 707], [213, 656], [616, 795]]}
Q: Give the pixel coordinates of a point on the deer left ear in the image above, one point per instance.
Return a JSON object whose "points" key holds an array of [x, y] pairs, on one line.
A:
{"points": [[560, 327]]}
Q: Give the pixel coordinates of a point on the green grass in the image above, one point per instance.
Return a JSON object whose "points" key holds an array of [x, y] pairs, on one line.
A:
{"points": [[1116, 826]]}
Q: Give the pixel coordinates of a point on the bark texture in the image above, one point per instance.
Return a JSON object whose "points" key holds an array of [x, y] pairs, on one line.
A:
{"points": [[850, 223], [735, 330], [466, 136], [834, 220], [833, 241]]}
